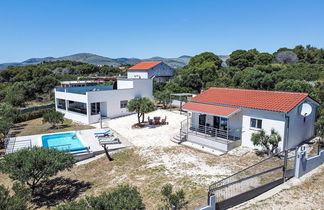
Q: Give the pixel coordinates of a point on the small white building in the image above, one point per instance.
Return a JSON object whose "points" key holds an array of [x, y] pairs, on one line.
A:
{"points": [[87, 104], [224, 118], [156, 70]]}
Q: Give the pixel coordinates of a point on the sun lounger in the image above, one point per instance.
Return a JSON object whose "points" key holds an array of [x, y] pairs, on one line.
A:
{"points": [[103, 133]]}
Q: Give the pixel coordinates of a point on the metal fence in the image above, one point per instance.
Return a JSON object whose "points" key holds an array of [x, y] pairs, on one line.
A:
{"points": [[253, 180], [31, 109]]}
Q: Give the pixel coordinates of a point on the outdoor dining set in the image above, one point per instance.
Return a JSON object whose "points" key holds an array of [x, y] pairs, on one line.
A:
{"points": [[157, 121]]}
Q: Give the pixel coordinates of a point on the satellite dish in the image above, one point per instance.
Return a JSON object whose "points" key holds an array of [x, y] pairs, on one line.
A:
{"points": [[306, 109]]}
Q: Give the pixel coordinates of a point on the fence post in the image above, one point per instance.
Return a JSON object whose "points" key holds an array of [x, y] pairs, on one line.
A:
{"points": [[285, 165]]}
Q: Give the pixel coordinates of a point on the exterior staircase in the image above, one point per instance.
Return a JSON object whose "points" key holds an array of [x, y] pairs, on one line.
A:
{"points": [[182, 135]]}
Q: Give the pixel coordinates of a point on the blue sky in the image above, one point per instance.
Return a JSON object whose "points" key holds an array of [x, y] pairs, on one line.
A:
{"points": [[136, 28]]}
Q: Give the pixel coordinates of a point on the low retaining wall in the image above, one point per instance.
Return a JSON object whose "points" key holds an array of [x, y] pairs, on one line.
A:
{"points": [[211, 205], [305, 165]]}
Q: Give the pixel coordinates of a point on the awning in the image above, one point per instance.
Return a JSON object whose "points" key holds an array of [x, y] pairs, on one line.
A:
{"points": [[223, 111]]}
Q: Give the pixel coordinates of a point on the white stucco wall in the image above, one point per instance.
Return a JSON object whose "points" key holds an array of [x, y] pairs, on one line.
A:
{"points": [[140, 74], [299, 130], [78, 117], [275, 120], [235, 124], [124, 84], [109, 100]]}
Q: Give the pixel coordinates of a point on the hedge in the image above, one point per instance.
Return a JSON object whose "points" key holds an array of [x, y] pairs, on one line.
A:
{"points": [[32, 114]]}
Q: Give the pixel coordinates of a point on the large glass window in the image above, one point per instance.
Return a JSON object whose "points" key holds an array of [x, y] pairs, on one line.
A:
{"points": [[223, 123], [202, 120], [256, 123], [95, 108], [220, 123], [79, 107], [61, 104]]}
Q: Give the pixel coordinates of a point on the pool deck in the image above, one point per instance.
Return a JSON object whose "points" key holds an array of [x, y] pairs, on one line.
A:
{"points": [[86, 136]]}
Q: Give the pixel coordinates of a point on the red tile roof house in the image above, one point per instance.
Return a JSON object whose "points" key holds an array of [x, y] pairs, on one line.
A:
{"points": [[156, 70], [224, 118]]}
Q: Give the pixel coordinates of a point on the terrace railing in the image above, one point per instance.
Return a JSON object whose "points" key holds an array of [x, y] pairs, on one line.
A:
{"points": [[215, 133]]}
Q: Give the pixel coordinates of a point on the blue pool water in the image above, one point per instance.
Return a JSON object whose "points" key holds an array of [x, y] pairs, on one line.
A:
{"points": [[63, 141]]}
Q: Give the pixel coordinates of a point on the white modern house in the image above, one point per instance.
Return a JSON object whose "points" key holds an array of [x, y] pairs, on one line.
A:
{"points": [[156, 70], [224, 118], [87, 104]]}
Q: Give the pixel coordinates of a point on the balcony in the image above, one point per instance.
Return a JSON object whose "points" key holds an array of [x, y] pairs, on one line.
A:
{"points": [[219, 139]]}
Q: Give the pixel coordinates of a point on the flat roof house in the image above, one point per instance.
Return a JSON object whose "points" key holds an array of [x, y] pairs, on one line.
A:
{"points": [[86, 104], [224, 118], [156, 70]]}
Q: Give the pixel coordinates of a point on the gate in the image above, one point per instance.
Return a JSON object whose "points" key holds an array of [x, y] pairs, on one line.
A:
{"points": [[253, 180]]}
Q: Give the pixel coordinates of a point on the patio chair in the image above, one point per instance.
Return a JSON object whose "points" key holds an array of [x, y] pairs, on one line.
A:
{"points": [[103, 134], [164, 122], [157, 120], [150, 121]]}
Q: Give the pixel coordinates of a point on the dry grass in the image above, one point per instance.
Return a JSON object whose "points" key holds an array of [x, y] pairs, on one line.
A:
{"points": [[127, 168], [308, 195], [37, 103], [132, 166], [33, 127]]}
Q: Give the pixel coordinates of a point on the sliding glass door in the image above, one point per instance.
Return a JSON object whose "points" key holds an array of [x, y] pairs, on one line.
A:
{"points": [[220, 123]]}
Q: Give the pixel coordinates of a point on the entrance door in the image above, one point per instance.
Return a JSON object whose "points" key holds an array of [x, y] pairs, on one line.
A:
{"points": [[202, 120]]}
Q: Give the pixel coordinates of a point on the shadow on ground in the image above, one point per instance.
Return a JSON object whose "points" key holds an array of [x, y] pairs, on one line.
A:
{"points": [[54, 191]]}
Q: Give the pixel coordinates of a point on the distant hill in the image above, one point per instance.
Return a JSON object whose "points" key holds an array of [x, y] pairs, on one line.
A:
{"points": [[101, 60]]}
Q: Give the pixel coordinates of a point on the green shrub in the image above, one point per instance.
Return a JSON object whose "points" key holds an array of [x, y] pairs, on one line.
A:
{"points": [[170, 199], [18, 201], [53, 118], [268, 142], [121, 197], [32, 115]]}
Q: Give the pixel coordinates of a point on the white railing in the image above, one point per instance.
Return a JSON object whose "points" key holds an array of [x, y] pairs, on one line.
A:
{"points": [[210, 132]]}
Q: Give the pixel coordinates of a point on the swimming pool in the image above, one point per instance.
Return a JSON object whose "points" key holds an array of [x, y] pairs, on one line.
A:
{"points": [[63, 141]]}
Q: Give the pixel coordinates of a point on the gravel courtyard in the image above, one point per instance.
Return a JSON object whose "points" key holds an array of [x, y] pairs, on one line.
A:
{"points": [[153, 136]]}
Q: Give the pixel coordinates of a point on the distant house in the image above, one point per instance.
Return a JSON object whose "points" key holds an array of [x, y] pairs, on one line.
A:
{"points": [[156, 70], [224, 118], [87, 104]]}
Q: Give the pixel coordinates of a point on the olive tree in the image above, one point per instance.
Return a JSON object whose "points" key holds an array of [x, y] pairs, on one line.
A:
{"points": [[163, 97], [7, 116], [31, 165], [268, 142], [172, 199], [286, 57], [53, 118], [140, 106]]}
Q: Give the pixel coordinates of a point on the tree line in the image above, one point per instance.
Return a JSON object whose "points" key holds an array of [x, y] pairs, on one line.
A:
{"points": [[300, 69]]}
